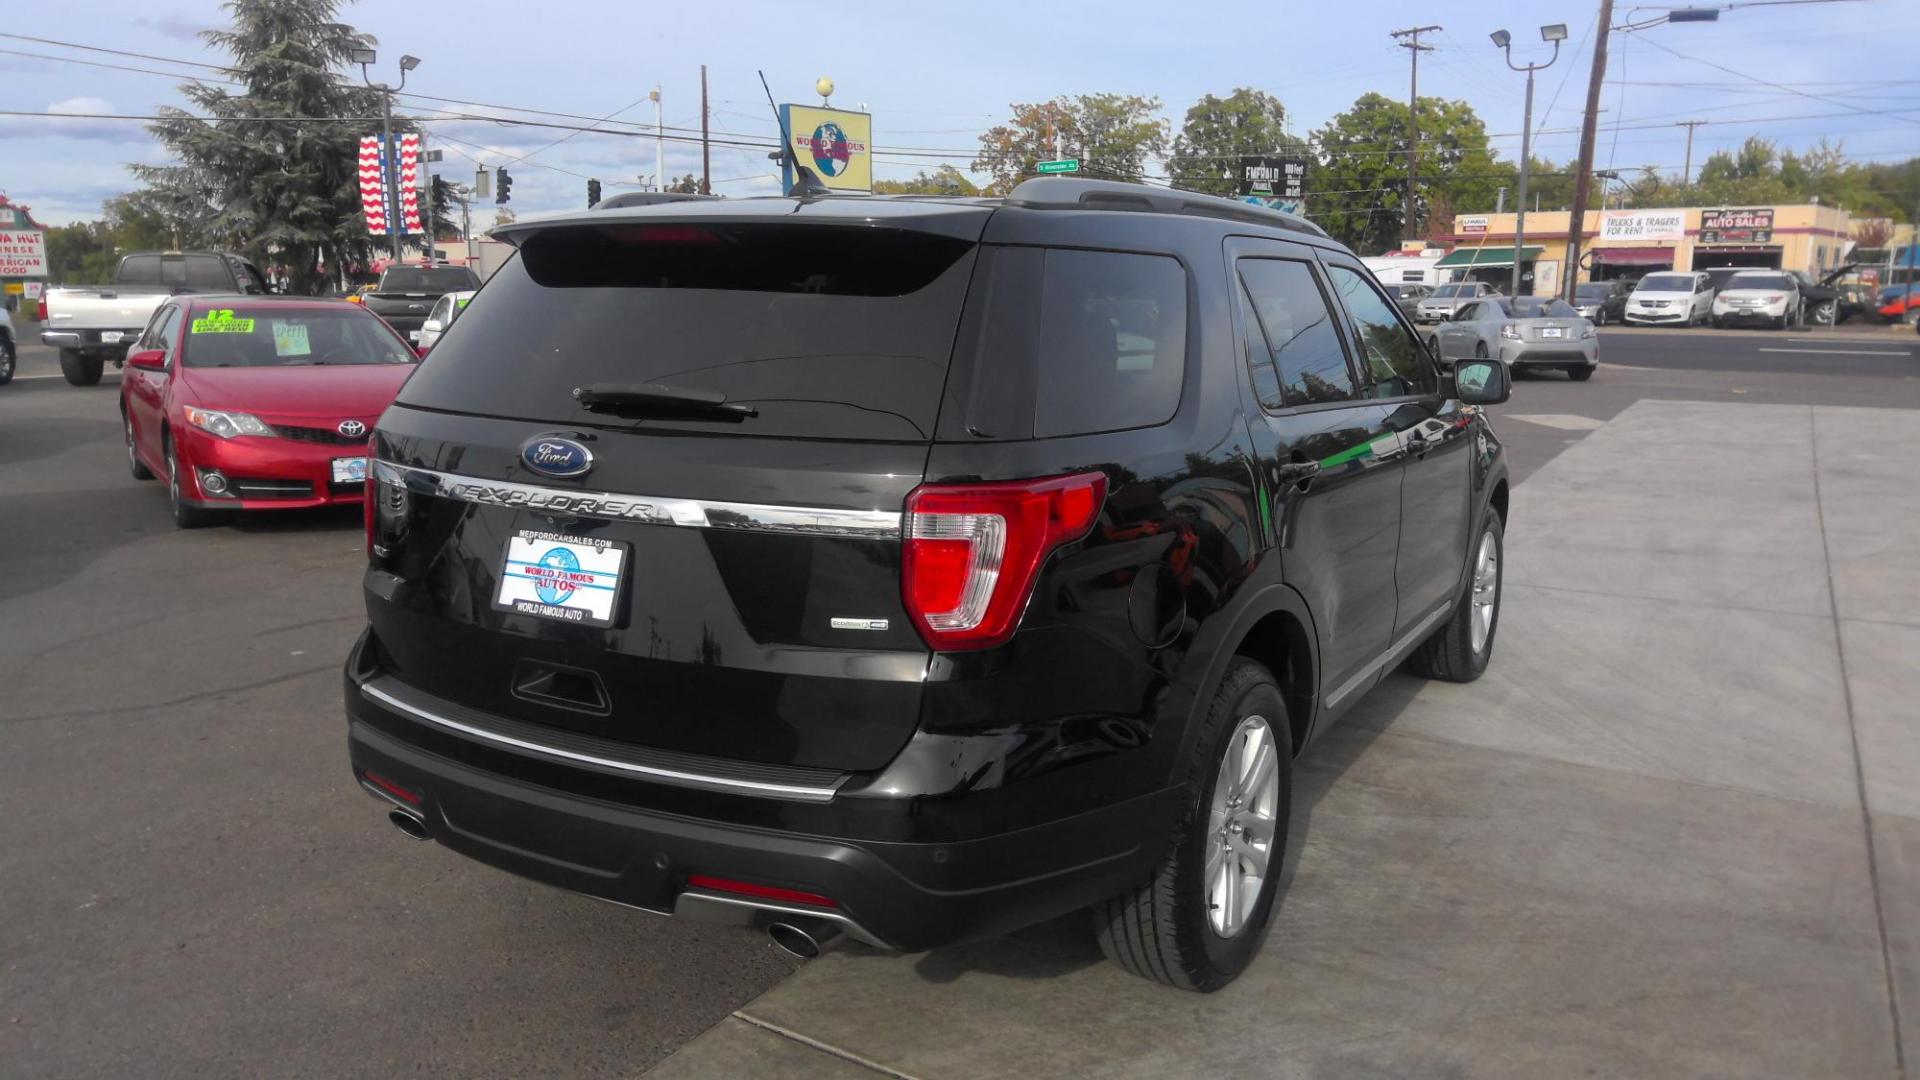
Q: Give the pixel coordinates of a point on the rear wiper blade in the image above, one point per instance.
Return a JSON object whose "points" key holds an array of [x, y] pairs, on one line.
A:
{"points": [[656, 400]]}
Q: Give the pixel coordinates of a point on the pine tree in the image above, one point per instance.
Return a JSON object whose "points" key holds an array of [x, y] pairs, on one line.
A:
{"points": [[271, 168]]}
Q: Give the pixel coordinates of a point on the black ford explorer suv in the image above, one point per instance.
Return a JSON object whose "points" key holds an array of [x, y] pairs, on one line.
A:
{"points": [[915, 569]]}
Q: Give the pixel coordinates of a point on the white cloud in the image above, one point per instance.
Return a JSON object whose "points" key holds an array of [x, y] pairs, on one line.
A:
{"points": [[78, 106]]}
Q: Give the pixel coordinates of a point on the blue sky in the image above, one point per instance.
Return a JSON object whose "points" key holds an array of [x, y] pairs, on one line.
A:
{"points": [[935, 78]]}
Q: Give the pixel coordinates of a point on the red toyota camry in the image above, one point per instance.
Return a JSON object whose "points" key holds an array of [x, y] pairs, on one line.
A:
{"points": [[252, 403]]}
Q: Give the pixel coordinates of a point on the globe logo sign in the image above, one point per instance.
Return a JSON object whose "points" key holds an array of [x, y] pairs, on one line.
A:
{"points": [[556, 588], [831, 149]]}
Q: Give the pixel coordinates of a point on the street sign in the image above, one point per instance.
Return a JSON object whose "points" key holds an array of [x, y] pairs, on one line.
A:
{"points": [[1063, 165]]}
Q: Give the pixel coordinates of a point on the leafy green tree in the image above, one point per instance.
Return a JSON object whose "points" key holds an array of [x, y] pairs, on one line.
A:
{"points": [[946, 180], [1358, 191], [283, 188], [686, 185], [1217, 132], [1112, 134]]}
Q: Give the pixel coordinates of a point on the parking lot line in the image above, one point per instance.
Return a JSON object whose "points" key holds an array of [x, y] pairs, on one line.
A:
{"points": [[1838, 352]]}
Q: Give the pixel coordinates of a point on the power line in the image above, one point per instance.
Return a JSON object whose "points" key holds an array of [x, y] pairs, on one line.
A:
{"points": [[1756, 79]]}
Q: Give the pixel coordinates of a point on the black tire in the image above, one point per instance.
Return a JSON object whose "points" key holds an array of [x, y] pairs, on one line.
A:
{"points": [[1912, 317], [1161, 930], [185, 514], [1480, 351], [9, 357], [134, 465], [1784, 322], [1580, 374], [81, 369], [1450, 654], [1719, 323], [1824, 313]]}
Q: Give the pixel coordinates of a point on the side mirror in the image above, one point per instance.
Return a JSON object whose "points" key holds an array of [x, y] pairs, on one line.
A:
{"points": [[1482, 382], [432, 324], [149, 359]]}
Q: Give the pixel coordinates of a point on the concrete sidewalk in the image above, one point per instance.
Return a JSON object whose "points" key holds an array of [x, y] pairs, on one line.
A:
{"points": [[1674, 831]]}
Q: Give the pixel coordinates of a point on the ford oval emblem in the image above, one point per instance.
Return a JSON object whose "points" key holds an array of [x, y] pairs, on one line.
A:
{"points": [[556, 457]]}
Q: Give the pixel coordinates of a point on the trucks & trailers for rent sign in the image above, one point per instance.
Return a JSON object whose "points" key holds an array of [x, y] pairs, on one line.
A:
{"points": [[1643, 225], [23, 253]]}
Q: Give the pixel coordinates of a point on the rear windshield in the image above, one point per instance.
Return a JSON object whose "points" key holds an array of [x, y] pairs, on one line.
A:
{"points": [[1760, 281], [243, 336], [1665, 283], [426, 279], [184, 273], [1597, 289], [828, 331], [1534, 307], [1457, 290]]}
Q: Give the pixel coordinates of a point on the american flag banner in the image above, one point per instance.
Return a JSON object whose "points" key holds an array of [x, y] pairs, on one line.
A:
{"points": [[373, 189], [410, 184]]}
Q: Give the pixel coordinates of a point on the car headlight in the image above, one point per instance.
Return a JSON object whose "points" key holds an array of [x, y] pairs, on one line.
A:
{"points": [[1510, 331], [227, 424], [1587, 331]]}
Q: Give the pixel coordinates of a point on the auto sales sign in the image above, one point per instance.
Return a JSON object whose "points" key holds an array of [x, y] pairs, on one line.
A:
{"points": [[23, 253], [1736, 226]]}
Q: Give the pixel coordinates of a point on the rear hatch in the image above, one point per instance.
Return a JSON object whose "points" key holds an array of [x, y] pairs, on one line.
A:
{"points": [[736, 576]]}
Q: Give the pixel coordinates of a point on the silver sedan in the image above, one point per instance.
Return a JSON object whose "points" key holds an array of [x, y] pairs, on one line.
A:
{"points": [[1534, 332]]}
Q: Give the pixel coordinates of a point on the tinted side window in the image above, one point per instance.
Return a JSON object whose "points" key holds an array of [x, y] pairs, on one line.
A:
{"points": [[1393, 358], [1113, 341], [1301, 342], [1467, 313]]}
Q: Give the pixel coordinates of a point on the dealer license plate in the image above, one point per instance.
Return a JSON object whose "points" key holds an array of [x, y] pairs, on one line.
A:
{"points": [[349, 470], [1550, 331], [570, 578]]}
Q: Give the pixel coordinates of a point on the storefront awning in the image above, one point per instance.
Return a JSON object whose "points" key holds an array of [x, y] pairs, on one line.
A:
{"points": [[1491, 256], [1635, 256]]}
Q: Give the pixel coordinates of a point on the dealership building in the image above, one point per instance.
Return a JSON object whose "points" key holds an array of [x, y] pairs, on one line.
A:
{"points": [[1632, 243]]}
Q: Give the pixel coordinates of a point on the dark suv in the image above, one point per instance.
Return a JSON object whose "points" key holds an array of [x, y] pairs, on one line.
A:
{"points": [[914, 568]]}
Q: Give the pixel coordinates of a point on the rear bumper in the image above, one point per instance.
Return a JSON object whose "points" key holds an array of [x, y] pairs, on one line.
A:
{"points": [[1581, 352], [90, 341], [528, 816]]}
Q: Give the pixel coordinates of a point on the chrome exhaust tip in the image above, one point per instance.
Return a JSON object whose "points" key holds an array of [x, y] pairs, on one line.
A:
{"points": [[802, 937], [411, 824]]}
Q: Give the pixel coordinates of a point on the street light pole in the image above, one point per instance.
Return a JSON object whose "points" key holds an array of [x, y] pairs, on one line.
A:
{"points": [[659, 142], [1556, 33], [389, 171]]}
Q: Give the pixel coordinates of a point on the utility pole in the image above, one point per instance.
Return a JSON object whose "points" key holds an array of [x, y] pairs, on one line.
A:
{"points": [[1584, 170], [706, 160], [1410, 228], [659, 142], [1686, 173]]}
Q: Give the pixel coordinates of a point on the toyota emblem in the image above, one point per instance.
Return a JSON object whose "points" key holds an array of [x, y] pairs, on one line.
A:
{"points": [[352, 429]]}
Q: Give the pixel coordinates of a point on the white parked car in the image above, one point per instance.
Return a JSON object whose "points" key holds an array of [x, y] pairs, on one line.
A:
{"points": [[1440, 305], [1766, 296], [445, 310], [1671, 299]]}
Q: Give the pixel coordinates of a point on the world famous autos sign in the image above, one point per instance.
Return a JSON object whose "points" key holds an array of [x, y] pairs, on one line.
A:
{"points": [[836, 144]]}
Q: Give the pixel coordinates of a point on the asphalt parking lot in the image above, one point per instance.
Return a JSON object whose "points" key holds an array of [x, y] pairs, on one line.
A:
{"points": [[1675, 830]]}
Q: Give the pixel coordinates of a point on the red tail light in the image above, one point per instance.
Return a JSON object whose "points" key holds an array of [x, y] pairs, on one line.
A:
{"points": [[973, 550], [40, 312], [763, 892], [398, 790]]}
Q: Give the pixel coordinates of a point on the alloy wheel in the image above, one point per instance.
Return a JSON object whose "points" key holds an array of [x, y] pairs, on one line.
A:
{"points": [[1241, 825], [1486, 590]]}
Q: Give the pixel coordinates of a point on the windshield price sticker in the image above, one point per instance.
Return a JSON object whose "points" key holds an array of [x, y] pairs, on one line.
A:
{"points": [[290, 339], [221, 321]]}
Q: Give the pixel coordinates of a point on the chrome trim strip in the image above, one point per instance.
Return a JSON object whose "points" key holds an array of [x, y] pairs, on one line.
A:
{"points": [[647, 509], [1394, 653], [730, 785], [696, 900]]}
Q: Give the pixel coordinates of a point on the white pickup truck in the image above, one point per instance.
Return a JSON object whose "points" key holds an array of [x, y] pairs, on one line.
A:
{"points": [[91, 324]]}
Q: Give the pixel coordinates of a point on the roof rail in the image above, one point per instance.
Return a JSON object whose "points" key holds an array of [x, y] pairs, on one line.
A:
{"points": [[1063, 193], [647, 198]]}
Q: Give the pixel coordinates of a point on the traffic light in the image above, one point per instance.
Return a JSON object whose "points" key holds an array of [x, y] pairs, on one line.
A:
{"points": [[502, 187], [593, 193]]}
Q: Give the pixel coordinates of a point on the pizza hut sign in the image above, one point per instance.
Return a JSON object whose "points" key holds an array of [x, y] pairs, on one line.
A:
{"points": [[1736, 226]]}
